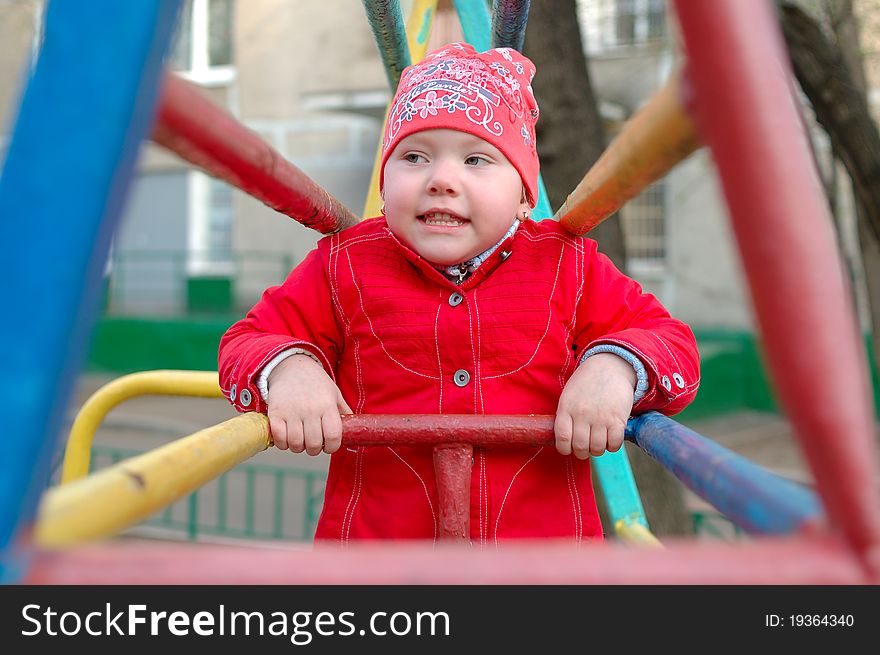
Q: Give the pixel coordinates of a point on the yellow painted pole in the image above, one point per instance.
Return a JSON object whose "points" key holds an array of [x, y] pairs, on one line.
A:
{"points": [[655, 139], [636, 533], [202, 384], [418, 29], [117, 497]]}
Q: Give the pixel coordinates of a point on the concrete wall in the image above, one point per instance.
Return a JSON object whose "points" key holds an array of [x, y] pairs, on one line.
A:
{"points": [[16, 41], [150, 247], [705, 274], [308, 78]]}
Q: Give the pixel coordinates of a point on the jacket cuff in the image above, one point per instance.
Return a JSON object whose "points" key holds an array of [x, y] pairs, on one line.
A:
{"points": [[263, 379], [641, 372], [243, 376]]}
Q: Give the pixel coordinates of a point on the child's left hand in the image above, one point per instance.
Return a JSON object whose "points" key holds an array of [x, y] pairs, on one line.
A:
{"points": [[594, 406]]}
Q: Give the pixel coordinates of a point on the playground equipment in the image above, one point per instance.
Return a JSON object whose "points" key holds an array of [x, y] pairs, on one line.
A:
{"points": [[65, 210]]}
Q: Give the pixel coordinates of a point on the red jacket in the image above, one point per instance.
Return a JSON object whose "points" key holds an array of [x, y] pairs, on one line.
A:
{"points": [[392, 332]]}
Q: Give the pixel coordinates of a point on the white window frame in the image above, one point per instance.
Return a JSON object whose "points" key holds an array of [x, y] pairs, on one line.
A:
{"points": [[200, 71], [598, 21], [198, 210]]}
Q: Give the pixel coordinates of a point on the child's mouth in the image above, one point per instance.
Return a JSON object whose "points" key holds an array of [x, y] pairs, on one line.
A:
{"points": [[441, 219]]}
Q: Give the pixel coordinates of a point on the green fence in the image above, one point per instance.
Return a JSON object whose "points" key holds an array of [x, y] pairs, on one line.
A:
{"points": [[271, 503], [252, 501], [733, 376]]}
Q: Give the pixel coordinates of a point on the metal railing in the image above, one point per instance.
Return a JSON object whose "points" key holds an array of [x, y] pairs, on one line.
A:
{"points": [[253, 501], [268, 512]]}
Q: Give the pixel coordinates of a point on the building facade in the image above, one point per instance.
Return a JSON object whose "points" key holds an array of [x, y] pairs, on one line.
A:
{"points": [[308, 78]]}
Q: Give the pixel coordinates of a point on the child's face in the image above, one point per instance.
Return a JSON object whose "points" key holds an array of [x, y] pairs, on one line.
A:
{"points": [[450, 195]]}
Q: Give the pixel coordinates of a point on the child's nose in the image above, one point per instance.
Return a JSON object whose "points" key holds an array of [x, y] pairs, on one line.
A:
{"points": [[443, 179]]}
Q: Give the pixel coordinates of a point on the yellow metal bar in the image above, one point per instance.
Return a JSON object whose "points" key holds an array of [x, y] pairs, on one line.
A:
{"points": [[636, 533], [654, 140], [202, 384], [418, 29], [115, 498]]}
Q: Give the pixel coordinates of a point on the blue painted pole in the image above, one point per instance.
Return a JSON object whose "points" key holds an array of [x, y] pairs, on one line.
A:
{"points": [[476, 26], [752, 497], [476, 23], [88, 105], [509, 18]]}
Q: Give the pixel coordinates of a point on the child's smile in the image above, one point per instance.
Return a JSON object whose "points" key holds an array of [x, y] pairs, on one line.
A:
{"points": [[450, 195], [440, 218]]}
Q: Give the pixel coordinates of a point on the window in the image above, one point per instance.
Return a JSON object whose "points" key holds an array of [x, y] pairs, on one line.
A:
{"points": [[611, 24], [203, 47], [656, 20], [210, 226], [625, 21], [643, 220]]}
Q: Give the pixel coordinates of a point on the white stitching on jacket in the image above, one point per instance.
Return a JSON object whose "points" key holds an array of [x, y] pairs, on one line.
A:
{"points": [[373, 330], [355, 495], [506, 493], [439, 364], [546, 328], [424, 488]]}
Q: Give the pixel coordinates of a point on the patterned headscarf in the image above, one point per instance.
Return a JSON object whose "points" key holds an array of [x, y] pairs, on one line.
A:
{"points": [[487, 94]]}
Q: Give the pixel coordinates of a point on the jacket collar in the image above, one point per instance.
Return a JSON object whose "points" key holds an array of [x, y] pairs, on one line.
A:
{"points": [[460, 272], [470, 272]]}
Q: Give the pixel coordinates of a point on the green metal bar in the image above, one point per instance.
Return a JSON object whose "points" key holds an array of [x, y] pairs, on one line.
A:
{"points": [[388, 28], [509, 18], [221, 501], [249, 505], [192, 527], [279, 503], [309, 518]]}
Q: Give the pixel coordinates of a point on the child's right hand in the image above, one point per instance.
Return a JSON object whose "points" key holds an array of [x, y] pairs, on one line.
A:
{"points": [[304, 407]]}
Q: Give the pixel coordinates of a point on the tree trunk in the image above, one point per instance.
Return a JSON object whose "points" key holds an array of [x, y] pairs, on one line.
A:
{"points": [[570, 132], [841, 108], [846, 30], [570, 139]]}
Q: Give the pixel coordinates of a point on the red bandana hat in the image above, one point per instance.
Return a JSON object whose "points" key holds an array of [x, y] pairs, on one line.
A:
{"points": [[487, 94]]}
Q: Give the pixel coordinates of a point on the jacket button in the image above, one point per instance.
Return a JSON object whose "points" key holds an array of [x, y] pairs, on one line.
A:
{"points": [[461, 377], [666, 383], [232, 393], [455, 299], [245, 398], [679, 381]]}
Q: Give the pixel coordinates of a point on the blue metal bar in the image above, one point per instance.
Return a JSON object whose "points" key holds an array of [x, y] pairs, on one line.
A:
{"points": [[509, 18], [388, 28], [476, 25], [752, 497], [88, 104]]}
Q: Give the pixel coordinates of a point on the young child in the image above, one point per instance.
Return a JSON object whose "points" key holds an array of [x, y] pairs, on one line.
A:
{"points": [[455, 302]]}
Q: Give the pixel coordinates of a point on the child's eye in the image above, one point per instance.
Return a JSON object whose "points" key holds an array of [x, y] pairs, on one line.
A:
{"points": [[414, 157], [475, 160]]}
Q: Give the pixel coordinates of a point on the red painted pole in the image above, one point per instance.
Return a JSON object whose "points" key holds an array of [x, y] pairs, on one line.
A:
{"points": [[744, 105], [191, 126], [452, 467], [433, 429], [815, 560]]}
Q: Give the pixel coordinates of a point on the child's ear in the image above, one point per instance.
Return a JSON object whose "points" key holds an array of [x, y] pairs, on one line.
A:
{"points": [[524, 207]]}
